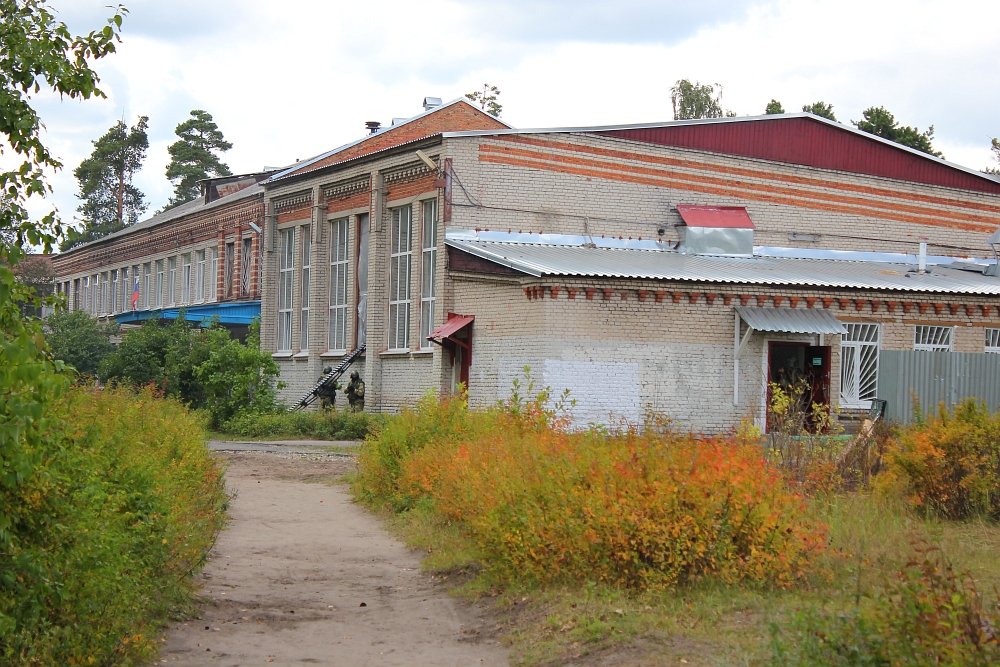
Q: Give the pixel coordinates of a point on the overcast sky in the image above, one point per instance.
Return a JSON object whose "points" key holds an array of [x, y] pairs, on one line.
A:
{"points": [[287, 80]]}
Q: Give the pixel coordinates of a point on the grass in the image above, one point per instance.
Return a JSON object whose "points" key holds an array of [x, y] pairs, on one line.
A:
{"points": [[704, 623], [301, 425]]}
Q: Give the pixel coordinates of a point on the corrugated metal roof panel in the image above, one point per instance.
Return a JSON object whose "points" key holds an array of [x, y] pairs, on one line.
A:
{"points": [[791, 320], [555, 260]]}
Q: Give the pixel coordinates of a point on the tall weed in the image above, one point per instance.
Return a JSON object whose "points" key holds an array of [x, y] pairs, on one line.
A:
{"points": [[106, 534], [637, 509]]}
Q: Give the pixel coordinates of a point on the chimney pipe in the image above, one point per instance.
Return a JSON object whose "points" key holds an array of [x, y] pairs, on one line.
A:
{"points": [[373, 126], [922, 259], [431, 102]]}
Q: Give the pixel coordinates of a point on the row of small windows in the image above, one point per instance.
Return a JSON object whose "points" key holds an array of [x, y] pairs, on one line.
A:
{"points": [[401, 302]]}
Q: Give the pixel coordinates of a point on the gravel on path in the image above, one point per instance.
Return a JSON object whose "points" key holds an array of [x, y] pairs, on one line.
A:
{"points": [[304, 576]]}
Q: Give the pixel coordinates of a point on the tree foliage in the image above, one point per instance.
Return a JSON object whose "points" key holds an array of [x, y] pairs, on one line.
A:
{"points": [[79, 340], [697, 100], [881, 123], [194, 156], [773, 107], [820, 108], [488, 99], [110, 200]]}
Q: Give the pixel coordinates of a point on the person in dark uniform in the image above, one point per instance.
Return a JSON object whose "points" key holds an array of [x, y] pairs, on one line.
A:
{"points": [[356, 392], [328, 392]]}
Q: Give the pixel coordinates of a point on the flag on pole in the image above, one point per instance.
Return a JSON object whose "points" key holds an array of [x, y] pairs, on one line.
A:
{"points": [[135, 294]]}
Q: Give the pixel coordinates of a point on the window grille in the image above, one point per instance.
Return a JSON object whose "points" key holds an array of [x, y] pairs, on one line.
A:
{"points": [[113, 292], [212, 284], [428, 270], [199, 279], [285, 290], [338, 285], [304, 297], [246, 265], [229, 268], [993, 341], [186, 278], [160, 283], [933, 339], [171, 280], [399, 278], [859, 365]]}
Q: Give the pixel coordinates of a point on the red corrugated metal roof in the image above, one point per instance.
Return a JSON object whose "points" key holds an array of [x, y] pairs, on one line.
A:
{"points": [[451, 326], [730, 217], [809, 141]]}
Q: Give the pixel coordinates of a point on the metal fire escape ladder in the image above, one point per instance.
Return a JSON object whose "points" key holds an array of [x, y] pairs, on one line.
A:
{"points": [[313, 395]]}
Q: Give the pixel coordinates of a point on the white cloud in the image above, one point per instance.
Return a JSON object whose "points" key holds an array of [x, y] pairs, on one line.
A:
{"points": [[289, 80]]}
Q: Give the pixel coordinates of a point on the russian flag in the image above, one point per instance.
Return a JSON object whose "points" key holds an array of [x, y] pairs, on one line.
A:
{"points": [[135, 294]]}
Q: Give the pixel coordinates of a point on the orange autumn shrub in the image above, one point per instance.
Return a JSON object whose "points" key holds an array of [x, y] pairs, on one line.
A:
{"points": [[642, 510], [950, 463]]}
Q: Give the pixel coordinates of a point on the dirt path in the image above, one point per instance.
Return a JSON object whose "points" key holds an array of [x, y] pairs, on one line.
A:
{"points": [[304, 576]]}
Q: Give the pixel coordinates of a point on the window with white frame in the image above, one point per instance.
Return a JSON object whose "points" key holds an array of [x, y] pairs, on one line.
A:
{"points": [[304, 295], [147, 289], [933, 339], [171, 280], [136, 286], [285, 289], [126, 289], [212, 284], [399, 278], [186, 278], [428, 269], [94, 295], [338, 285], [160, 283], [199, 280], [993, 341], [104, 293], [85, 284], [859, 364], [113, 292]]}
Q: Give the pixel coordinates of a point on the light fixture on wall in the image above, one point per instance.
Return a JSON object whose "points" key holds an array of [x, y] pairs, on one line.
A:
{"points": [[426, 159]]}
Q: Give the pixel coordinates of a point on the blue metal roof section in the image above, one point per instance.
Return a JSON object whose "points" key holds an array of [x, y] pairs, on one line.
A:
{"points": [[241, 312]]}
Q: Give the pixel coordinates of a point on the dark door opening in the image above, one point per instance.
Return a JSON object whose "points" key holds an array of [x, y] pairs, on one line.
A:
{"points": [[803, 371]]}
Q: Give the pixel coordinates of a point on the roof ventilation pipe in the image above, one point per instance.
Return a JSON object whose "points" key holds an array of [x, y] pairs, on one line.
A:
{"points": [[715, 230], [373, 126], [922, 257], [431, 102]]}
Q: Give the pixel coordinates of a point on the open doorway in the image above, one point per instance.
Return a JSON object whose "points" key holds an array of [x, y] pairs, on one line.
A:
{"points": [[803, 370], [455, 336]]}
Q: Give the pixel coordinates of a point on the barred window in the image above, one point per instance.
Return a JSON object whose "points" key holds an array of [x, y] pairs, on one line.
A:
{"points": [[859, 349], [399, 278], [993, 341], [246, 265], [933, 339], [304, 298], [285, 287], [338, 285], [428, 270]]}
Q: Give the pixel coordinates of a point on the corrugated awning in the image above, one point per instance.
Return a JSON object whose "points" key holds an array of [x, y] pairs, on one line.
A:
{"points": [[791, 320], [453, 324], [728, 217]]}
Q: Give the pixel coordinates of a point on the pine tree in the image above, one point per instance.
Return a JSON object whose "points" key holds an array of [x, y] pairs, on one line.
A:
{"points": [[110, 201], [488, 99], [820, 108], [773, 107], [881, 123], [193, 156]]}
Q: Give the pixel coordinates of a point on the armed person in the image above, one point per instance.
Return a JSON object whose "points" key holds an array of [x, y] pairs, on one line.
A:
{"points": [[328, 392], [356, 392]]}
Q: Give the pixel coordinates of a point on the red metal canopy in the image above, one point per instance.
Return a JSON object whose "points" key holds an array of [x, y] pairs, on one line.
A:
{"points": [[452, 325], [729, 217]]}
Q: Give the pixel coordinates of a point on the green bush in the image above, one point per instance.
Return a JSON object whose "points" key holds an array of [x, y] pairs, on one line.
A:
{"points": [[203, 367], [79, 339], [103, 534], [925, 615], [332, 425]]}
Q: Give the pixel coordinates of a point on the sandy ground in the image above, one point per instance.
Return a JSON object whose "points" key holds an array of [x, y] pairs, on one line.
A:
{"points": [[304, 576]]}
